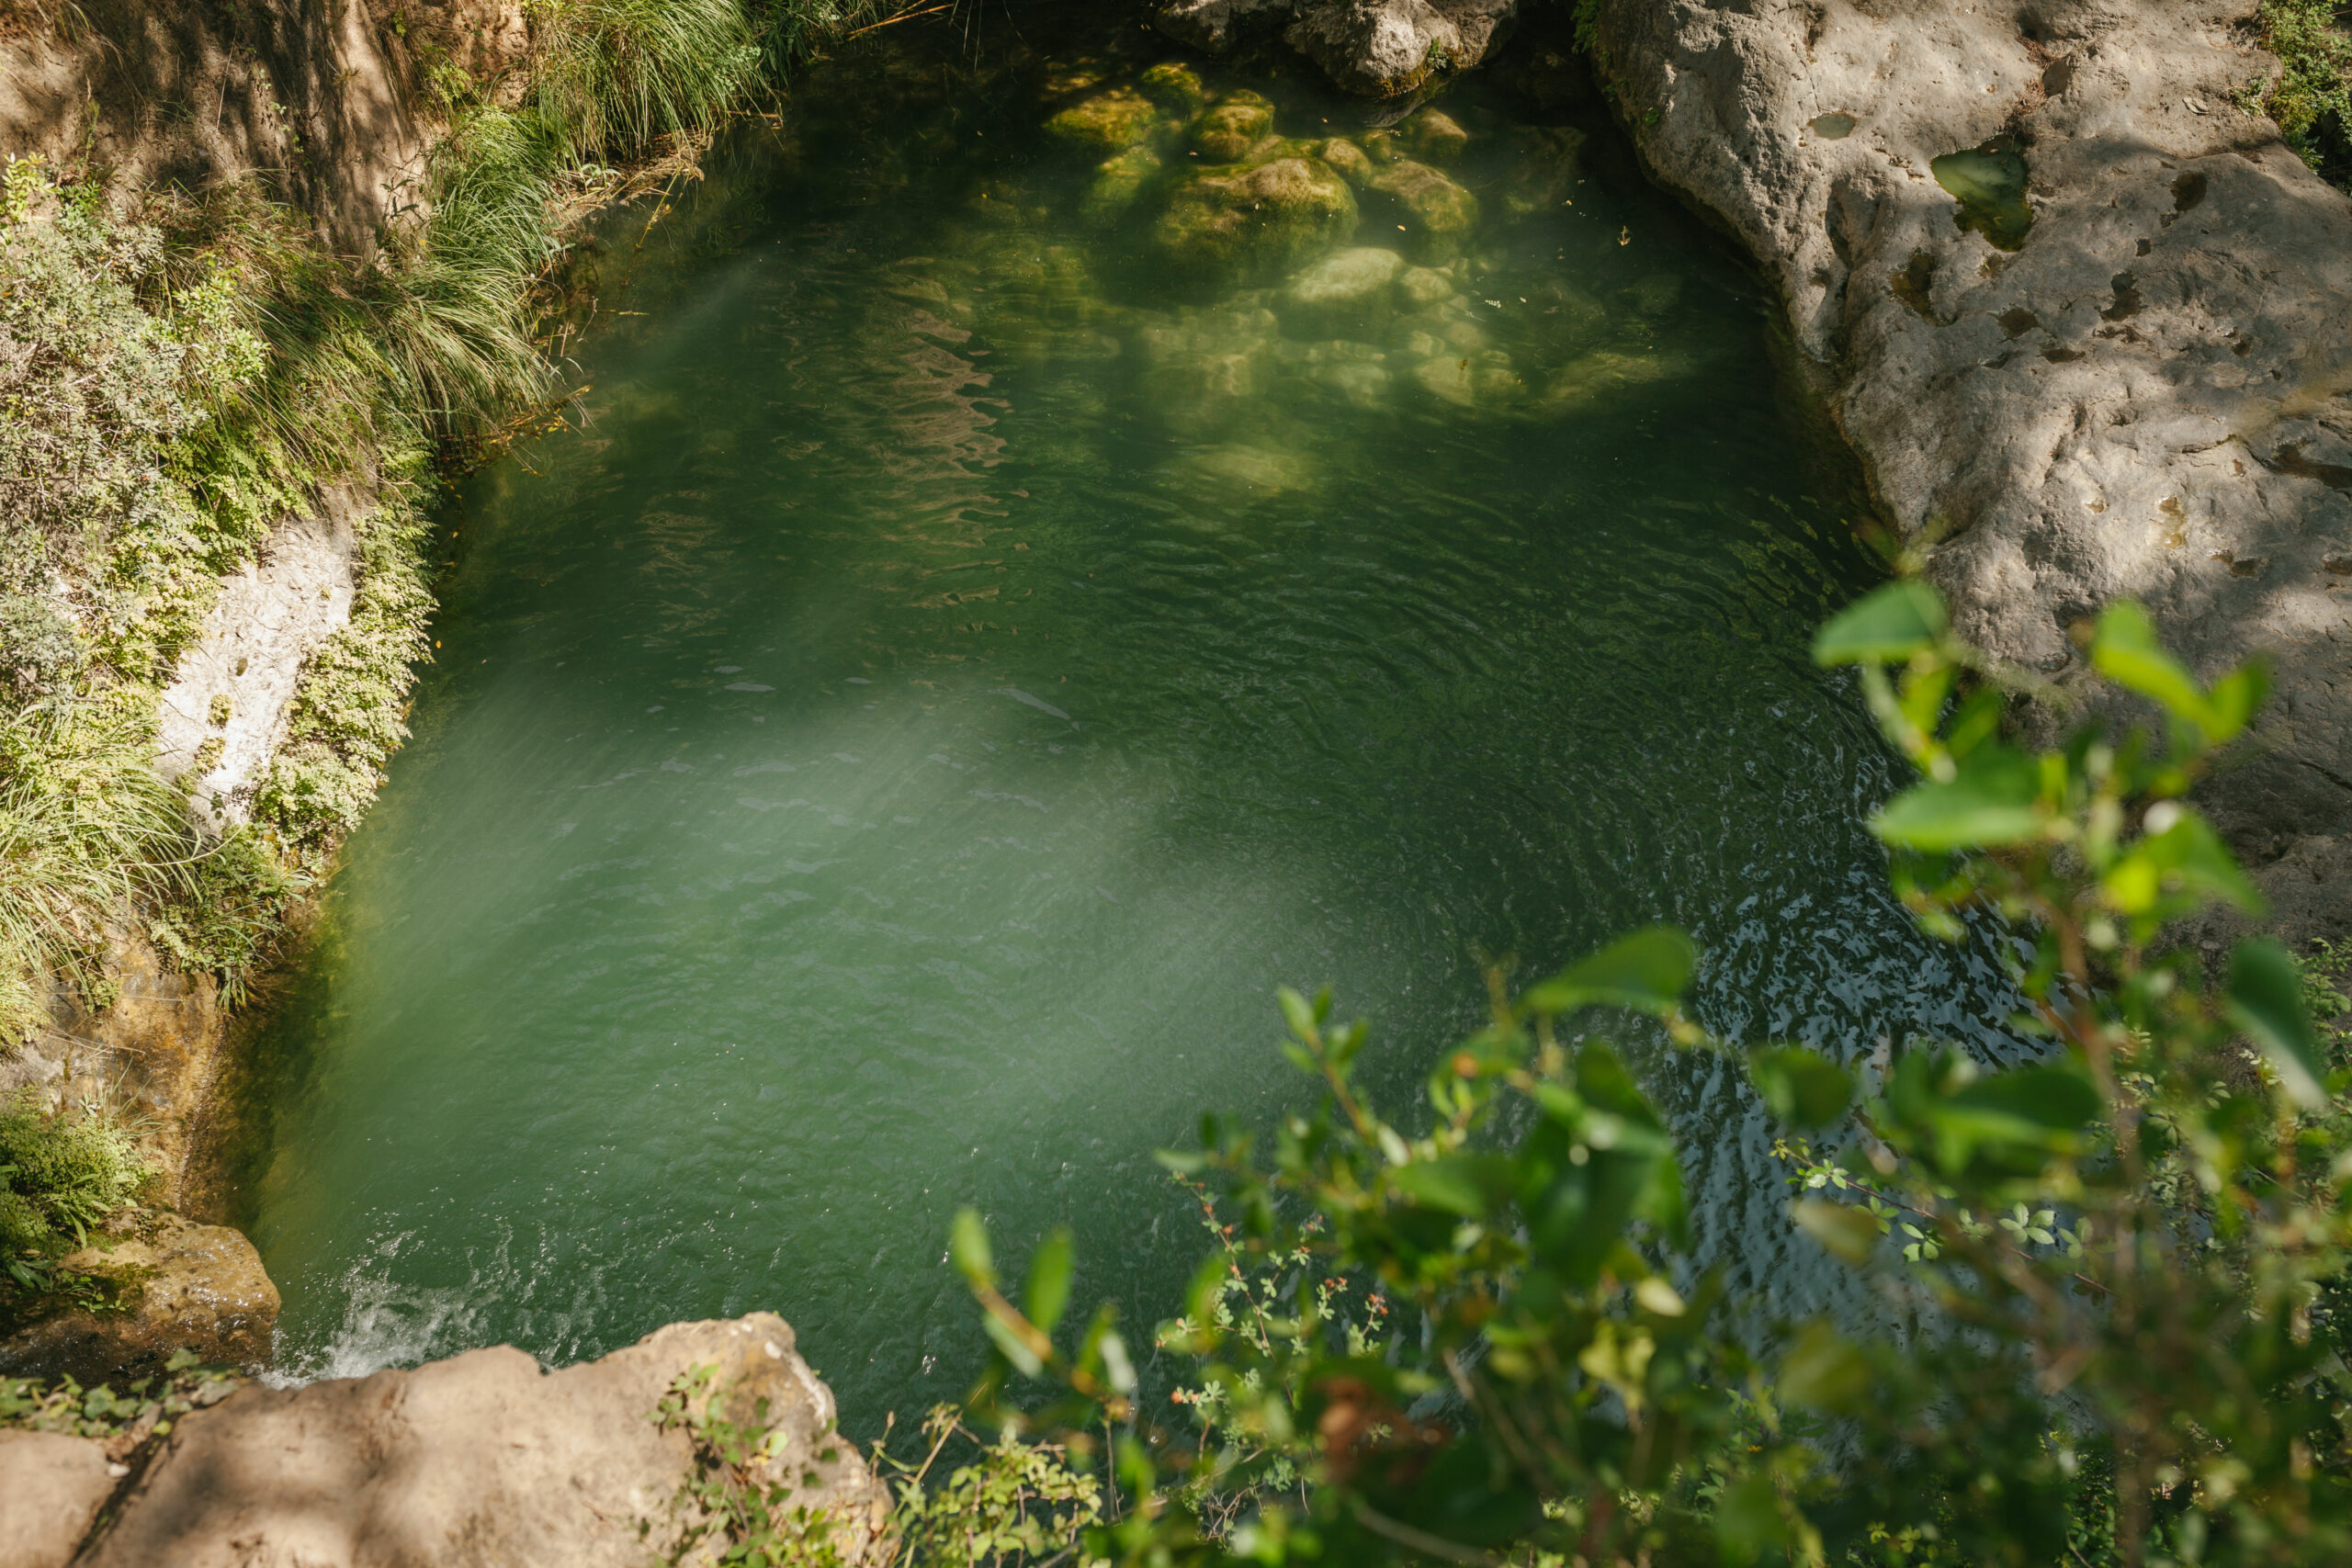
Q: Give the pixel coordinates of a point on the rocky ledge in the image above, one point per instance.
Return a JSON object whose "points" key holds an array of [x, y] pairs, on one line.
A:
{"points": [[483, 1461], [2120, 368]]}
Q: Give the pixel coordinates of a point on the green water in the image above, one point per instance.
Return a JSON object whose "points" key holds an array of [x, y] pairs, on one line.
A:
{"points": [[888, 758]]}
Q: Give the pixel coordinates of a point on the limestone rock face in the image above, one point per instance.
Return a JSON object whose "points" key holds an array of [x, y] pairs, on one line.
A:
{"points": [[1388, 47], [52, 1487], [1380, 47], [1217, 25], [192, 1287], [2147, 398], [225, 713], [478, 1462], [1262, 220]]}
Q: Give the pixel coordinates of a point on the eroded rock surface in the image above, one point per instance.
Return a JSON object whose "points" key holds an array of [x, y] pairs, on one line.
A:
{"points": [[225, 715], [1381, 46], [2146, 398], [52, 1487], [479, 1462], [181, 1286]]}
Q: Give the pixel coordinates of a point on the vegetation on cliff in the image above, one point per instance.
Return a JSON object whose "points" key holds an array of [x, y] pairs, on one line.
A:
{"points": [[180, 372], [2311, 100]]}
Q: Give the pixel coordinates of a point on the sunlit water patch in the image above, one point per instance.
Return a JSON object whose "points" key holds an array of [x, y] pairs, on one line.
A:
{"points": [[973, 654]]}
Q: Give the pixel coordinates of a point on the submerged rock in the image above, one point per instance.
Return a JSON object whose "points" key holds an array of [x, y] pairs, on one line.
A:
{"points": [[1344, 295], [1257, 469], [1225, 133], [1107, 122], [1436, 137], [179, 1286], [1599, 377], [1543, 166], [1257, 221], [1422, 287], [1349, 160], [1118, 184], [1175, 86], [1440, 215]]}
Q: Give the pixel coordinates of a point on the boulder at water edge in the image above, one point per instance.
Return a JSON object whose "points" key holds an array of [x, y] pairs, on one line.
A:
{"points": [[181, 1287], [479, 1462]]}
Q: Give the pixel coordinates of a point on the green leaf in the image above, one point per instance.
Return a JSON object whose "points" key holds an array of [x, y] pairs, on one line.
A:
{"points": [[2266, 1002], [967, 1247], [1995, 800], [1049, 1276], [2236, 697], [1822, 1371], [1297, 1011], [1849, 1233], [1799, 1086], [1887, 627], [1019, 1354], [2186, 856], [1470, 1185], [2125, 650], [1647, 971]]}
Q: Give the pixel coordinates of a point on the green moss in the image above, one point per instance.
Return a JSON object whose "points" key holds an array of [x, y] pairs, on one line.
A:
{"points": [[1254, 222], [1107, 122]]}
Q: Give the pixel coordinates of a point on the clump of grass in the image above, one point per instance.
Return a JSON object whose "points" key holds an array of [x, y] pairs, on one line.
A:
{"points": [[62, 1173], [2311, 100]]}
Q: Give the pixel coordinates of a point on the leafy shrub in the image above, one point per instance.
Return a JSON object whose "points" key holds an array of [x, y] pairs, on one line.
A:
{"points": [[2311, 100], [60, 1173], [2127, 1261]]}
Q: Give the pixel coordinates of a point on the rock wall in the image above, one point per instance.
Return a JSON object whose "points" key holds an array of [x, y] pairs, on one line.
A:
{"points": [[2147, 397], [483, 1461], [326, 98], [1384, 48]]}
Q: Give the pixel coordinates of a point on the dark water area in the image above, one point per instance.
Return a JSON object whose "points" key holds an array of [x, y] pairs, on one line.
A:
{"points": [[888, 759]]}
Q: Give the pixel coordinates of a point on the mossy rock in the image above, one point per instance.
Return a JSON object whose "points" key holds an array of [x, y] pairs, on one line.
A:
{"points": [[1176, 87], [1436, 137], [1107, 122], [1350, 160], [1118, 184], [1225, 133], [1254, 222], [1440, 216]]}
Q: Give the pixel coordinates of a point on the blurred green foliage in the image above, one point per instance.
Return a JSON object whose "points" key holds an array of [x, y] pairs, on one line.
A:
{"points": [[1470, 1334]]}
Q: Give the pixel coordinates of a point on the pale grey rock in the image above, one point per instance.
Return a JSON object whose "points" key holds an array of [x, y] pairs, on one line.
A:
{"points": [[237, 684], [483, 1461], [1217, 25], [183, 1287], [1381, 46], [52, 1487], [2147, 399], [1389, 47]]}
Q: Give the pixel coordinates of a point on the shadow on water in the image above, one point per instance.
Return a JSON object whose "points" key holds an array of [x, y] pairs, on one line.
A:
{"points": [[888, 756]]}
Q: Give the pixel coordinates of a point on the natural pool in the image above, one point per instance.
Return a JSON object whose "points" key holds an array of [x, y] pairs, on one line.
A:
{"points": [[888, 758]]}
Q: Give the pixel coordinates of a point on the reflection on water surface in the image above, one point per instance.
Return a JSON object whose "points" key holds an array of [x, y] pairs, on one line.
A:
{"points": [[976, 653]]}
